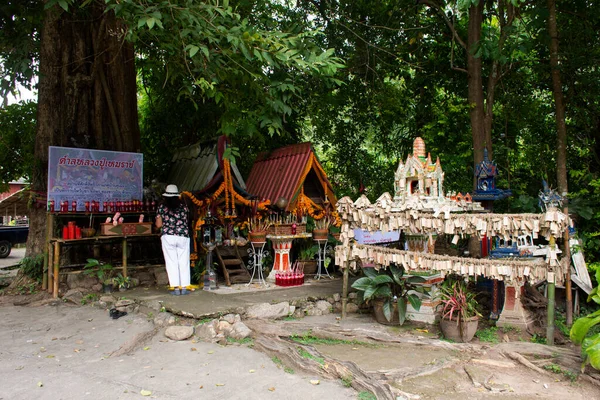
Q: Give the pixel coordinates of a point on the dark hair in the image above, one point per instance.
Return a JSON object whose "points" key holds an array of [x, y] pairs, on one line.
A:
{"points": [[172, 203]]}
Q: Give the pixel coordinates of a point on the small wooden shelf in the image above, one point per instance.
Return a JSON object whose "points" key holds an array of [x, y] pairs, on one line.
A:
{"points": [[55, 244]]}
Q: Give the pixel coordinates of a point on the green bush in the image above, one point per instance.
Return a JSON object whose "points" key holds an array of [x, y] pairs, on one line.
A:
{"points": [[33, 267]]}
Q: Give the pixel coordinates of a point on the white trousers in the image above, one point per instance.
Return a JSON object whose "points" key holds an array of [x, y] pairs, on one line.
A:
{"points": [[176, 250]]}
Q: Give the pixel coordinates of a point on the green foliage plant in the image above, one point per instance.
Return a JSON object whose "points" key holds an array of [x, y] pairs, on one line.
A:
{"points": [[347, 381], [489, 335], [305, 354], [277, 361], [17, 133], [538, 339], [122, 281], [89, 298], [366, 396], [103, 271], [391, 286], [308, 251], [590, 344], [557, 369], [33, 267]]}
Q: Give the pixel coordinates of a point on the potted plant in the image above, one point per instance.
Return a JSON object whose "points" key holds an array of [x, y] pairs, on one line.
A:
{"points": [[122, 282], [103, 271], [460, 317], [321, 230], [257, 229], [306, 257], [390, 292]]}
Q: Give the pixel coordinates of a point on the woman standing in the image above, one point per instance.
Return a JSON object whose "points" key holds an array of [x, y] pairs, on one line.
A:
{"points": [[172, 217]]}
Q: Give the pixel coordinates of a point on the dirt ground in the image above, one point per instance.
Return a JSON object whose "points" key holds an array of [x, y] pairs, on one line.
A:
{"points": [[62, 351], [66, 352]]}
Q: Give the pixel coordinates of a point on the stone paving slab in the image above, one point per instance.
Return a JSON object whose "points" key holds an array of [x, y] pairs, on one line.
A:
{"points": [[203, 304]]}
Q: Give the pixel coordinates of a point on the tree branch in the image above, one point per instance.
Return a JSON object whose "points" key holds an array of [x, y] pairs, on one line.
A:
{"points": [[442, 14]]}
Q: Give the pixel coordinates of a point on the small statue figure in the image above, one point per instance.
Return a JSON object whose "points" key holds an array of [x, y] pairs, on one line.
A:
{"points": [[549, 198]]}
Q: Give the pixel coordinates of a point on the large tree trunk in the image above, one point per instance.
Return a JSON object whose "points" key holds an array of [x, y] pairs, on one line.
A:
{"points": [[86, 94], [475, 83], [561, 128], [561, 144]]}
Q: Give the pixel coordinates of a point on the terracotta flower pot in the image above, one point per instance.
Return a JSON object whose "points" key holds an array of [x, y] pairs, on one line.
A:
{"points": [[459, 332], [257, 237], [380, 316], [320, 234], [309, 267]]}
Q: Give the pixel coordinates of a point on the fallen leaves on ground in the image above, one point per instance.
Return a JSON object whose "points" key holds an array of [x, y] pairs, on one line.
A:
{"points": [[145, 392]]}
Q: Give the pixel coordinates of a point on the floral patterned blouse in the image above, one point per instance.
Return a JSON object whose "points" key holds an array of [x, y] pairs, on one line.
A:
{"points": [[175, 222]]}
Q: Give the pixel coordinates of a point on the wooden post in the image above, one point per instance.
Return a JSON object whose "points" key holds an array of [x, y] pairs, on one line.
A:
{"points": [[45, 269], [345, 283], [50, 246], [551, 292], [567, 256], [47, 260], [56, 263], [124, 244]]}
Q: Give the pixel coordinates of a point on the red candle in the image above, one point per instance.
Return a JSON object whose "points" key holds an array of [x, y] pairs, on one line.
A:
{"points": [[105, 206], [87, 206], [73, 206], [65, 232], [77, 232], [71, 231]]}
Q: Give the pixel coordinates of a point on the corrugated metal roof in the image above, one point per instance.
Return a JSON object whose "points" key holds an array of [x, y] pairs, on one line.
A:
{"points": [[195, 166], [15, 204], [278, 174]]}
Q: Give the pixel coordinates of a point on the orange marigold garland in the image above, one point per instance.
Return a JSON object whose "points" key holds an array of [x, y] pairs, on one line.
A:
{"points": [[306, 205]]}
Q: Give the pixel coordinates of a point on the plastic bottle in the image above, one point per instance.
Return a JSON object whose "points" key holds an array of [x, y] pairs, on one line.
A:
{"points": [[206, 280], [212, 277]]}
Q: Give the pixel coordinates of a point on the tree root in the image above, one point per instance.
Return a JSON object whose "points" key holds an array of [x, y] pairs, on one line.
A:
{"points": [[137, 341], [522, 360], [310, 361], [590, 379]]}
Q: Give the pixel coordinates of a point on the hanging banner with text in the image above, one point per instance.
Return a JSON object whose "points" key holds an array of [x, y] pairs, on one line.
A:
{"points": [[85, 175]]}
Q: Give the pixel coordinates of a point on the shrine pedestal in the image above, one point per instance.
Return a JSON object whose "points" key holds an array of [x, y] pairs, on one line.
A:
{"points": [[513, 313], [428, 313], [282, 245]]}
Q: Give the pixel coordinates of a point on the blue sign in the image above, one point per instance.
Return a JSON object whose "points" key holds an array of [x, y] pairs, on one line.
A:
{"points": [[85, 175]]}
